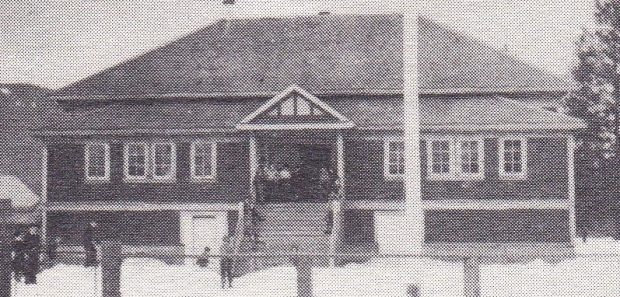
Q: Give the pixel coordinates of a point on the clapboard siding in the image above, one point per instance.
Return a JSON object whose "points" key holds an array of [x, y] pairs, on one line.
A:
{"points": [[139, 228], [547, 175], [364, 172], [495, 226], [66, 180]]}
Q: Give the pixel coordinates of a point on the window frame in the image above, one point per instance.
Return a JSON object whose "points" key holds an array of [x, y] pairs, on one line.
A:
{"points": [[501, 150], [459, 161], [429, 159], [386, 158], [149, 162], [126, 175], [192, 161], [173, 161], [455, 171], [106, 169]]}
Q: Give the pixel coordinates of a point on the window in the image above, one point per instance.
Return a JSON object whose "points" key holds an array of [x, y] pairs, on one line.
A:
{"points": [[471, 157], [457, 158], [97, 159], [203, 160], [513, 158], [394, 165], [135, 161], [163, 160], [440, 157], [156, 161]]}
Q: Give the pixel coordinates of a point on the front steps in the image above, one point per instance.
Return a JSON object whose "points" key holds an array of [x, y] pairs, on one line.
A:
{"points": [[288, 228], [297, 227]]}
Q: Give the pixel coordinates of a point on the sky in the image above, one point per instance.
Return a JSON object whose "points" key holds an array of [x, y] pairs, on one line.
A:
{"points": [[54, 43]]}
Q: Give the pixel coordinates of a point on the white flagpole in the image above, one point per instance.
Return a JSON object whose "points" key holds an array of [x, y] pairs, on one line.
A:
{"points": [[414, 212]]}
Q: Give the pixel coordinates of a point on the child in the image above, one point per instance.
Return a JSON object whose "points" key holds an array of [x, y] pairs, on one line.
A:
{"points": [[203, 260]]}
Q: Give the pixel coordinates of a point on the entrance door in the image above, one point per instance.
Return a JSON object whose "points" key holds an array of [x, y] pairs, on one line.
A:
{"points": [[207, 230]]}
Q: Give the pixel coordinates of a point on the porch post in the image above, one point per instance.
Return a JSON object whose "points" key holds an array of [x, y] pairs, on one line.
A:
{"points": [[253, 166], [340, 164]]}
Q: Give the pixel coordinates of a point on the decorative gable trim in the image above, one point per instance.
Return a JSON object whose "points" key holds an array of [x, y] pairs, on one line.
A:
{"points": [[343, 122]]}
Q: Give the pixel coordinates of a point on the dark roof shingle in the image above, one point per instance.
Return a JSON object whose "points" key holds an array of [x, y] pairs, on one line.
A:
{"points": [[322, 54]]}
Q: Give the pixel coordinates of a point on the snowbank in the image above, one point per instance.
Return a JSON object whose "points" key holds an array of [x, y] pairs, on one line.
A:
{"points": [[605, 245], [390, 277], [593, 272], [146, 277]]}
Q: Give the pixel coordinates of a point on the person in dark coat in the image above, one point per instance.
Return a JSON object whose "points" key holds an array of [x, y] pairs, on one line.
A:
{"points": [[89, 241], [32, 242], [18, 260], [226, 263]]}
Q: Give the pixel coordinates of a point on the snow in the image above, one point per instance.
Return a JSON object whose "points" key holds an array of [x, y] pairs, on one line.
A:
{"points": [[13, 189], [147, 277], [390, 277], [593, 272]]}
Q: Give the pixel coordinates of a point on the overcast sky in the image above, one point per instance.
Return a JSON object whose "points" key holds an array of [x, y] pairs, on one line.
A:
{"points": [[58, 42]]}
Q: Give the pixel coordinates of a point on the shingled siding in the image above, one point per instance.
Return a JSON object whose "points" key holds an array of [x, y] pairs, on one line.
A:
{"points": [[494, 226], [364, 172], [547, 175], [138, 228], [66, 177]]}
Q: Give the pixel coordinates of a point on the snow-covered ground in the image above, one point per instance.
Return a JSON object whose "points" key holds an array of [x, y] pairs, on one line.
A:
{"points": [[594, 272]]}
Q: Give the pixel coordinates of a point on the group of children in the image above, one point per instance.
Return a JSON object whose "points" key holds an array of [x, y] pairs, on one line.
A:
{"points": [[26, 254], [226, 261], [26, 251], [278, 183]]}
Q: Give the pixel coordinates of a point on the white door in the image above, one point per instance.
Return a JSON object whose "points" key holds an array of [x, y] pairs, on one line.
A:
{"points": [[207, 230]]}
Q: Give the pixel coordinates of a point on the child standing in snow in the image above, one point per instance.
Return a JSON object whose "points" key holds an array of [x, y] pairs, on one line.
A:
{"points": [[226, 263], [203, 260]]}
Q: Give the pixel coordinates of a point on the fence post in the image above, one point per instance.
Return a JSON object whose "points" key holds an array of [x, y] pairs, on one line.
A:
{"points": [[336, 230], [5, 251], [304, 276], [472, 276], [111, 260], [5, 266]]}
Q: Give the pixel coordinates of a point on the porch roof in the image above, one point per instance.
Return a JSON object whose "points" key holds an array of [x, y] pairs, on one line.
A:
{"points": [[464, 113]]}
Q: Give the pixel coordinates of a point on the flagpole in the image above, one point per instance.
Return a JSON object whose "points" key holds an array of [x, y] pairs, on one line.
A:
{"points": [[414, 211]]}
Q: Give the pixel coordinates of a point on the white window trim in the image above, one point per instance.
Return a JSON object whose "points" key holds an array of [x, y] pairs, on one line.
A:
{"points": [[459, 170], [386, 158], [173, 162], [106, 176], [126, 175], [510, 175], [149, 163], [429, 159], [454, 150], [192, 163]]}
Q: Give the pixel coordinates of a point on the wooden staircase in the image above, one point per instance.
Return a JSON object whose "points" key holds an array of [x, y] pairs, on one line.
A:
{"points": [[300, 226], [287, 228]]}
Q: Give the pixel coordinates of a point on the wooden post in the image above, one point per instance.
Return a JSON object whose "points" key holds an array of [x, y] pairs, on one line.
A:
{"points": [[336, 236], [304, 276], [111, 260], [5, 253], [340, 164], [472, 277], [253, 167]]}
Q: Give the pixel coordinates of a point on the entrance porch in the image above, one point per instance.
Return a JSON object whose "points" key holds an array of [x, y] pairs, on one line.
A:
{"points": [[297, 166]]}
